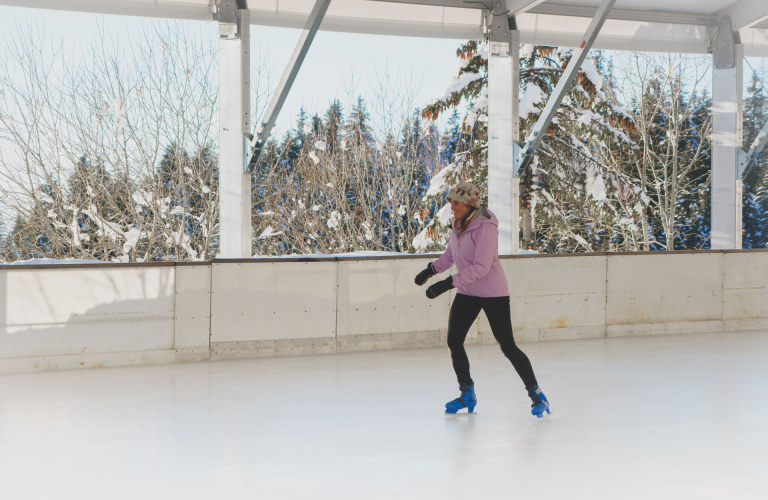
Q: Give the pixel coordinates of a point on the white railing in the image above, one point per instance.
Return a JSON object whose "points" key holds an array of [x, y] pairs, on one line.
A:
{"points": [[107, 315]]}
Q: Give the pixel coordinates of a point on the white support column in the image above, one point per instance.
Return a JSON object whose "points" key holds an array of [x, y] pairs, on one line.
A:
{"points": [[727, 123], [514, 51], [234, 123], [739, 210], [500, 145]]}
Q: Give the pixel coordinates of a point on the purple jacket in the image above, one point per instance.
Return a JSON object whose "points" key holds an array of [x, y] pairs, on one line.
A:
{"points": [[476, 255]]}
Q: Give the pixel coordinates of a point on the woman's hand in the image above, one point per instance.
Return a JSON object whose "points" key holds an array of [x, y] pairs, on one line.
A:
{"points": [[423, 276], [440, 287]]}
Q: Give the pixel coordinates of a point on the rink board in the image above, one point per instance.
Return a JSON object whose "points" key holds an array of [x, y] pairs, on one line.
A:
{"points": [[69, 317], [272, 308], [56, 317], [379, 306]]}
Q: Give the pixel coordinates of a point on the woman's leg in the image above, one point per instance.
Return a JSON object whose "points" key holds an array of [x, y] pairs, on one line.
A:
{"points": [[499, 316], [464, 311]]}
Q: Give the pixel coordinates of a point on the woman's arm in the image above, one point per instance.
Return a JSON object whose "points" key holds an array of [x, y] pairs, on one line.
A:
{"points": [[445, 261], [486, 248]]}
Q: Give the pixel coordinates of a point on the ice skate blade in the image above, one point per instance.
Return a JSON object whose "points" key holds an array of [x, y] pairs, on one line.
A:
{"points": [[463, 414]]}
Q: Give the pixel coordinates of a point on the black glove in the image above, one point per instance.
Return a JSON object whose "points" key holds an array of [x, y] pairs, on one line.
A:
{"points": [[440, 287], [423, 276]]}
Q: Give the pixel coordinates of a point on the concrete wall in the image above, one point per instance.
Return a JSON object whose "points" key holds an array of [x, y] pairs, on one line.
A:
{"points": [[272, 308], [106, 315], [88, 317]]}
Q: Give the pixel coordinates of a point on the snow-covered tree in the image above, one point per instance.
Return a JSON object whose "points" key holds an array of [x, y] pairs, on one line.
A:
{"points": [[670, 108], [569, 194], [110, 157], [360, 195], [755, 209]]}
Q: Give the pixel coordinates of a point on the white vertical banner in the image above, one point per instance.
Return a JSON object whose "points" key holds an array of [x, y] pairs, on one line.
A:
{"points": [[234, 123], [500, 144], [514, 52], [727, 123], [739, 213]]}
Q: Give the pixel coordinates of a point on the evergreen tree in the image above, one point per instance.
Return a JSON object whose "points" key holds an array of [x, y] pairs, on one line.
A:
{"points": [[454, 140], [566, 191], [755, 189], [333, 123]]}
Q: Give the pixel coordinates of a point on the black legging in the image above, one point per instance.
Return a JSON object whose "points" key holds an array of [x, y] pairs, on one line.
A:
{"points": [[464, 311]]}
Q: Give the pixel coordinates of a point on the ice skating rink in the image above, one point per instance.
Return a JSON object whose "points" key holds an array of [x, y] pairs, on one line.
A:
{"points": [[679, 417]]}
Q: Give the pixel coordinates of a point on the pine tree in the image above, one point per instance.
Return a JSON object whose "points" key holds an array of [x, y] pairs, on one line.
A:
{"points": [[454, 140], [755, 208], [565, 191]]}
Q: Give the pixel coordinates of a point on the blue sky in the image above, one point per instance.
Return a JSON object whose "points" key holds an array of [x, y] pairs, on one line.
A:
{"points": [[332, 63]]}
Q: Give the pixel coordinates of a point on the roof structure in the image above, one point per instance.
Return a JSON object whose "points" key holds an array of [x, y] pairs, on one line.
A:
{"points": [[645, 25]]}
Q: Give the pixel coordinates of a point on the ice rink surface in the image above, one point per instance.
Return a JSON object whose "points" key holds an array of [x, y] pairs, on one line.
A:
{"points": [[683, 417]]}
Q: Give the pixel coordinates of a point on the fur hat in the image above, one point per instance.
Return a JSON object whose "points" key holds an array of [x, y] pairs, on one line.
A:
{"points": [[466, 193]]}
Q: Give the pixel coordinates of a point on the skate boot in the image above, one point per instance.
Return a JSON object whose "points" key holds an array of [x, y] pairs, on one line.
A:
{"points": [[467, 400], [540, 403]]}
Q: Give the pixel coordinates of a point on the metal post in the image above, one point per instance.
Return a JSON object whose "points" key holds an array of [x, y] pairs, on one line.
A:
{"points": [[259, 139], [748, 160], [234, 123], [537, 134], [514, 51], [745, 162], [501, 111], [739, 213], [727, 122]]}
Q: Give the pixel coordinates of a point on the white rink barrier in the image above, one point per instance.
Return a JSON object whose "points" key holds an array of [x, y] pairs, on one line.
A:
{"points": [[72, 316]]}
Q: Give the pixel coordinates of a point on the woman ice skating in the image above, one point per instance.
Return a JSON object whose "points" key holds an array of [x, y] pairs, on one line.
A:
{"points": [[480, 284]]}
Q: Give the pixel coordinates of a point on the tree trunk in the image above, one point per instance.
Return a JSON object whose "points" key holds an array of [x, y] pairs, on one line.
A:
{"points": [[527, 243]]}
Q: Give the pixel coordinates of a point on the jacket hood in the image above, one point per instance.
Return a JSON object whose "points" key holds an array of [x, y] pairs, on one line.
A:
{"points": [[484, 216]]}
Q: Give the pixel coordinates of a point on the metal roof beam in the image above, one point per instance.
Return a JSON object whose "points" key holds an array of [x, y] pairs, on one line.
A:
{"points": [[558, 9], [517, 7], [259, 139], [746, 13], [748, 160], [566, 79], [180, 10]]}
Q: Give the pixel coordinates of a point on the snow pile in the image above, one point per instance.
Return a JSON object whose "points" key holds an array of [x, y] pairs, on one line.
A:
{"points": [[532, 96], [458, 83], [592, 74], [587, 117], [132, 237], [480, 107], [581, 241], [368, 233], [444, 215], [363, 253], [422, 240], [595, 184], [142, 198], [460, 79], [268, 232], [526, 50], [41, 262], [438, 184], [334, 221]]}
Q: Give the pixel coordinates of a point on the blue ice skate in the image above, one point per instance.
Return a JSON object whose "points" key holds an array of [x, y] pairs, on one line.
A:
{"points": [[540, 403], [467, 400]]}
